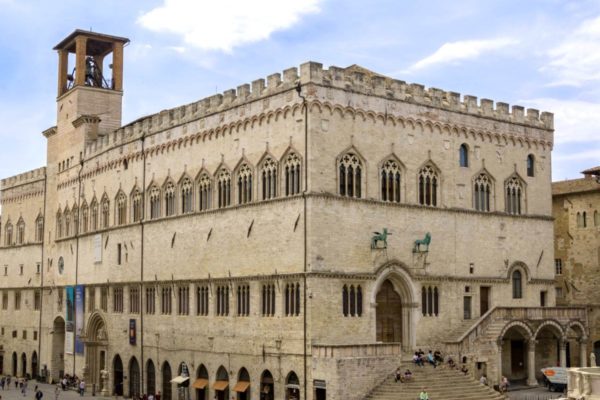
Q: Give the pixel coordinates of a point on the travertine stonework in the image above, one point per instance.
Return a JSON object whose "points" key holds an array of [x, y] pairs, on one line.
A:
{"points": [[344, 313]]}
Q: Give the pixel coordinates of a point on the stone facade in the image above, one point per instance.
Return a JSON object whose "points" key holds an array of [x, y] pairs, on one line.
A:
{"points": [[234, 235], [576, 209]]}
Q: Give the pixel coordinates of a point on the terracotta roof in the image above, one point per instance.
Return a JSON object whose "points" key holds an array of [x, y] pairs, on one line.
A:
{"points": [[592, 171], [575, 186]]}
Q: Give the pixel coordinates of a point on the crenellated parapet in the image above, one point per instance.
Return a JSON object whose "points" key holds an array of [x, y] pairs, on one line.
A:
{"points": [[25, 185], [24, 178]]}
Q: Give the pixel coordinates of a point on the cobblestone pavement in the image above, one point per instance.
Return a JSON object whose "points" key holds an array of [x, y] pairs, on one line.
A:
{"points": [[48, 390], [538, 393]]}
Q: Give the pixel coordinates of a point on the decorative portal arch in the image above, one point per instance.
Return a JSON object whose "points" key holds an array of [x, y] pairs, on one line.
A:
{"points": [[150, 377], [117, 376], [394, 297], [267, 388], [57, 362], [96, 349], [134, 378], [166, 381]]}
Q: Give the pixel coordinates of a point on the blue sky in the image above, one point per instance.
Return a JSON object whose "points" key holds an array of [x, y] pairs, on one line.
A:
{"points": [[542, 54]]}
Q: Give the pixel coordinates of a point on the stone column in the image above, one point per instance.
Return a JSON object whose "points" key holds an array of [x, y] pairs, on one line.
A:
{"points": [[500, 344], [80, 54], [563, 353], [583, 352], [117, 66], [63, 61], [531, 381]]}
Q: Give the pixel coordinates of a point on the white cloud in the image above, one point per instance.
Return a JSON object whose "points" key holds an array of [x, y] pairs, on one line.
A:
{"points": [[453, 52], [225, 24], [575, 121], [575, 60]]}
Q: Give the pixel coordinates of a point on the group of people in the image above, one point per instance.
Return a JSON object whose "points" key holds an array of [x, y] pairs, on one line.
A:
{"points": [[74, 382], [435, 358], [150, 396], [402, 376], [20, 383]]}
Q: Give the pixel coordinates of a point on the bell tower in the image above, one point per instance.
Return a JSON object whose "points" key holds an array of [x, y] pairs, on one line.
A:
{"points": [[90, 92]]}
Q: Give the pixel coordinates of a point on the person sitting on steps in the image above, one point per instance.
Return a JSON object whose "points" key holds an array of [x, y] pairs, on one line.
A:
{"points": [[398, 375], [407, 375]]}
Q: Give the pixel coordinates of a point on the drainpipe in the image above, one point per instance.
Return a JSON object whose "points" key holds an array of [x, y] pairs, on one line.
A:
{"points": [[77, 260], [42, 272], [142, 220]]}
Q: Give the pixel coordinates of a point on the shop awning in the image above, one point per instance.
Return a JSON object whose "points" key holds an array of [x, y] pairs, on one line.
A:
{"points": [[241, 386], [220, 385], [200, 383], [179, 379], [292, 386]]}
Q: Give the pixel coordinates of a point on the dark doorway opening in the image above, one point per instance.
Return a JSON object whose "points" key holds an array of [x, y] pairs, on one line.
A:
{"points": [[118, 376], [389, 314], [484, 299]]}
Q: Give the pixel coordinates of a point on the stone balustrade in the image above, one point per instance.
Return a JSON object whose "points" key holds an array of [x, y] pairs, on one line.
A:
{"points": [[584, 383], [357, 350]]}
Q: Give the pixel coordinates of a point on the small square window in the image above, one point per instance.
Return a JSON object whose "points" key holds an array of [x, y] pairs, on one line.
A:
{"points": [[467, 289], [471, 268]]}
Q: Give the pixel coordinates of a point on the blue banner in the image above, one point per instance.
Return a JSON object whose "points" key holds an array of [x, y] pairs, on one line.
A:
{"points": [[79, 310]]}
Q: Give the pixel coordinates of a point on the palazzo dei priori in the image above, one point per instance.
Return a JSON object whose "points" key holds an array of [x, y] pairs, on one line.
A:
{"points": [[293, 238]]}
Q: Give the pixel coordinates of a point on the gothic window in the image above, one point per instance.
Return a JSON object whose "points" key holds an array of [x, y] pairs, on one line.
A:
{"points": [[390, 181], [67, 218], [292, 165], [558, 266], [169, 199], [292, 299], [268, 300], [136, 202], [530, 165], [20, 231], [428, 186], [165, 300], [94, 215], [224, 188], [579, 220], [202, 300], [463, 155], [154, 202], [222, 300], [596, 218], [17, 300], [187, 189], [37, 300], [85, 218], [75, 216], [103, 298], [430, 301], [517, 285], [482, 192], [118, 299], [134, 300], [59, 225], [204, 192], [514, 195], [105, 210], [183, 300], [39, 229], [8, 235], [151, 300], [269, 178], [121, 209], [244, 184], [91, 300], [584, 219], [243, 300], [350, 175], [352, 301]]}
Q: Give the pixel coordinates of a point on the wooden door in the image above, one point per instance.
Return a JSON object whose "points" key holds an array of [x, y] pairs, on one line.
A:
{"points": [[389, 314], [484, 299]]}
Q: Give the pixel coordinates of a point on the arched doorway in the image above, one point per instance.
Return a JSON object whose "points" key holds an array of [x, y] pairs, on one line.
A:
{"points": [[389, 314], [150, 377], [57, 363], [201, 383], [547, 346], [96, 353], [183, 381], [267, 388], [24, 365], [242, 387], [597, 350], [514, 342], [14, 363], [221, 385], [117, 376], [34, 365], [1, 363], [292, 387], [134, 378], [576, 345], [166, 381]]}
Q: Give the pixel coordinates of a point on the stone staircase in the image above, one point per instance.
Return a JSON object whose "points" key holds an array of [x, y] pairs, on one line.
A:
{"points": [[441, 383]]}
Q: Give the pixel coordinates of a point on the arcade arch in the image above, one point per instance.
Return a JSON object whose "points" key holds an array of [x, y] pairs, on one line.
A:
{"points": [[96, 350], [57, 362]]}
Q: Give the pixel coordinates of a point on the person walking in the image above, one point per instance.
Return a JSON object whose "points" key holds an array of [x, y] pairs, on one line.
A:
{"points": [[423, 395], [56, 392], [81, 387], [39, 395]]}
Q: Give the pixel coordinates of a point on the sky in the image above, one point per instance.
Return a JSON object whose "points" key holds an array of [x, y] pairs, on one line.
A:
{"points": [[543, 54]]}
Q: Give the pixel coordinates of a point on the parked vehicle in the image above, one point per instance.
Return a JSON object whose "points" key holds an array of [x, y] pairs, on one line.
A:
{"points": [[555, 378]]}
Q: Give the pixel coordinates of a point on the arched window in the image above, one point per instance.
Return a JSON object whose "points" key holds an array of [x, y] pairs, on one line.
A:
{"points": [[390, 181], [39, 229], [292, 387], [596, 218], [244, 184], [224, 187], [59, 225], [94, 215], [350, 175], [530, 165], [105, 209], [463, 155], [345, 301], [428, 186], [292, 165], [517, 284], [8, 235], [584, 219], [352, 301], [243, 300], [268, 175], [482, 192], [514, 195], [268, 300], [20, 231], [187, 189], [169, 199], [136, 205], [67, 219], [292, 299], [204, 192], [154, 196], [150, 377], [85, 218], [430, 301], [75, 216], [121, 208], [222, 300]]}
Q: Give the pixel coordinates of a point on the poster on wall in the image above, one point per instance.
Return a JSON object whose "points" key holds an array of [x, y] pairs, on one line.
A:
{"points": [[69, 325], [132, 332], [79, 309]]}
